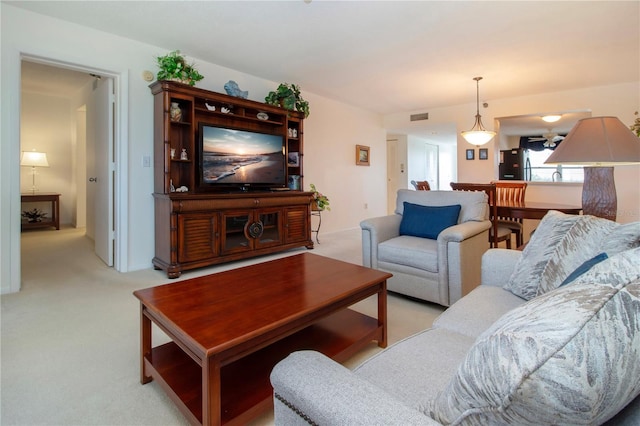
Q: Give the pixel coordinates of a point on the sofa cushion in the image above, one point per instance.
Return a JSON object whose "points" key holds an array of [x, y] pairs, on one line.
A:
{"points": [[569, 356], [416, 368], [561, 244], [427, 221], [615, 270], [473, 204], [477, 311], [584, 268], [421, 253]]}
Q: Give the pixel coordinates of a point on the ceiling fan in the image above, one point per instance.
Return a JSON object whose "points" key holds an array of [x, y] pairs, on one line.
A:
{"points": [[550, 139]]}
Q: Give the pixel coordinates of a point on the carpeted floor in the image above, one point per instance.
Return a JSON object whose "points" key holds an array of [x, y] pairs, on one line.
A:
{"points": [[70, 337]]}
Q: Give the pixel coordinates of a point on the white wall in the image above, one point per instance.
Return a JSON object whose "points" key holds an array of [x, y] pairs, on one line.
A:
{"points": [[331, 133]]}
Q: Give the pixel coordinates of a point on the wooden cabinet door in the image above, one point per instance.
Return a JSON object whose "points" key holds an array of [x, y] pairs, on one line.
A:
{"points": [[197, 236], [296, 224]]}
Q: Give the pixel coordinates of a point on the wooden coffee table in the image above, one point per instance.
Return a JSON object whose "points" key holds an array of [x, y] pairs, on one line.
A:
{"points": [[229, 329]]}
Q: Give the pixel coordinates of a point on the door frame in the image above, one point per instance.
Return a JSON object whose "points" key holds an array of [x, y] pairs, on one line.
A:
{"points": [[121, 144]]}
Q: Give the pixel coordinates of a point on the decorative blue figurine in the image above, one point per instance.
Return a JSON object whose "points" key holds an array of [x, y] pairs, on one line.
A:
{"points": [[232, 89]]}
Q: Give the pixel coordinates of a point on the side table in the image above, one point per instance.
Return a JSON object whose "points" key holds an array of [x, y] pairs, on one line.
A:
{"points": [[54, 199]]}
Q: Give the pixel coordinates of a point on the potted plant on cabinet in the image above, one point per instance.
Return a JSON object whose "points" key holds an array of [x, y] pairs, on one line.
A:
{"points": [[174, 66], [288, 96], [320, 201]]}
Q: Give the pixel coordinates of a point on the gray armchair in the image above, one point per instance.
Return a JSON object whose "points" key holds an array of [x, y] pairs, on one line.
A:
{"points": [[441, 269]]}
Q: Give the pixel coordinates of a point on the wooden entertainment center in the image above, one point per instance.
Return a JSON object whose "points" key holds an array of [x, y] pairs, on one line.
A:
{"points": [[204, 225]]}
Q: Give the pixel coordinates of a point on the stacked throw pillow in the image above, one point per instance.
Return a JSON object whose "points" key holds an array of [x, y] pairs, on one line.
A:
{"points": [[569, 356], [561, 244]]}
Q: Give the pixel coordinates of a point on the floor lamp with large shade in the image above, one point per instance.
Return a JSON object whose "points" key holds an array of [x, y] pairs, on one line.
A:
{"points": [[598, 143]]}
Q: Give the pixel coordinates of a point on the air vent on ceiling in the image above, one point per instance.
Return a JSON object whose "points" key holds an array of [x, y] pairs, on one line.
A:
{"points": [[418, 117]]}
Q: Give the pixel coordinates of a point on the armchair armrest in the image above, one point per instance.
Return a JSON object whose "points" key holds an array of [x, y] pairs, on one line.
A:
{"points": [[375, 231], [463, 231], [498, 265], [460, 248], [308, 385]]}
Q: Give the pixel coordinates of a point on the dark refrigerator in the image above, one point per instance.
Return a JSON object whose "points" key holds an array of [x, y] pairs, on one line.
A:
{"points": [[514, 165]]}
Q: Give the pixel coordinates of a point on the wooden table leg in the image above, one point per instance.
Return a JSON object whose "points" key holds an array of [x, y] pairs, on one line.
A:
{"points": [[145, 343], [211, 388], [382, 313], [56, 212]]}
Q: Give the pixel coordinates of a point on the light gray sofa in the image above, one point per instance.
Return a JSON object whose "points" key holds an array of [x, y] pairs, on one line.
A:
{"points": [[570, 354], [430, 269]]}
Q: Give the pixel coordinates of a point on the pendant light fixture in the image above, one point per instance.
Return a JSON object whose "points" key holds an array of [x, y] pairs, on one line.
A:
{"points": [[478, 135]]}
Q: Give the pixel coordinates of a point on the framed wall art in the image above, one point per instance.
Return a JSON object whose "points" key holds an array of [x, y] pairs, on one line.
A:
{"points": [[483, 153], [471, 154], [362, 155], [293, 159]]}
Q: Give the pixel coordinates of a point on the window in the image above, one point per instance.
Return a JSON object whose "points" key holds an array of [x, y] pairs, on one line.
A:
{"points": [[541, 172]]}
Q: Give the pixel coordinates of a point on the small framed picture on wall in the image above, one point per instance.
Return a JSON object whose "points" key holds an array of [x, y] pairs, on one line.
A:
{"points": [[483, 153], [362, 155], [471, 154]]}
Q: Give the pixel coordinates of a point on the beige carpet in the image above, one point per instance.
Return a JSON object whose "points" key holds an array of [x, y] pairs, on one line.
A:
{"points": [[70, 338]]}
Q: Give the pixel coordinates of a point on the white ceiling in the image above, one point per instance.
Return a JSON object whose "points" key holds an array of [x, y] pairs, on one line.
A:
{"points": [[388, 56]]}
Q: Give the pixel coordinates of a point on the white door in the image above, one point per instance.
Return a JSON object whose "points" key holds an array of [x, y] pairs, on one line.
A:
{"points": [[393, 182], [432, 162], [101, 169]]}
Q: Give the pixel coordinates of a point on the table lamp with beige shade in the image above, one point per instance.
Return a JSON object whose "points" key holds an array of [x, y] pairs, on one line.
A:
{"points": [[598, 144], [34, 159]]}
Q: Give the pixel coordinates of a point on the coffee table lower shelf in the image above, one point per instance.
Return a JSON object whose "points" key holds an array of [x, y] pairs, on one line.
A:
{"points": [[246, 389]]}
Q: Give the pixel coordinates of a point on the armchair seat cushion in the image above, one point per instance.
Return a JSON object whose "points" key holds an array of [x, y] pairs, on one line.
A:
{"points": [[419, 253]]}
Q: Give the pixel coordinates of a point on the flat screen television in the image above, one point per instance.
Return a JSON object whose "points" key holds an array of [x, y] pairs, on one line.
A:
{"points": [[231, 159]]}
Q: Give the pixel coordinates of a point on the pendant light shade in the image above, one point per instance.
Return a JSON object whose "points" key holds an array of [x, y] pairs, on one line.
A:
{"points": [[478, 135]]}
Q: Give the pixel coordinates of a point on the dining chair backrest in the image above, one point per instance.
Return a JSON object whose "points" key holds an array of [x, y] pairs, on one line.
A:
{"points": [[510, 191], [490, 190], [421, 185]]}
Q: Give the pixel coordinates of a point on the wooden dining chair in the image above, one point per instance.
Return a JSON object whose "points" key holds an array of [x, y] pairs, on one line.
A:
{"points": [[497, 233], [511, 192], [421, 185]]}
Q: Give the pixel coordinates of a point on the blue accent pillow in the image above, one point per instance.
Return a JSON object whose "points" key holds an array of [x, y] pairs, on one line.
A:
{"points": [[584, 268], [427, 221]]}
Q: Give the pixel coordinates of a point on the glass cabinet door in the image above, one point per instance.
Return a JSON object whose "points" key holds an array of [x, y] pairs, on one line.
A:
{"points": [[234, 237], [271, 223]]}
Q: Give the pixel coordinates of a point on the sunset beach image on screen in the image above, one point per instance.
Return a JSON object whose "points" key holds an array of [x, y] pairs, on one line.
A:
{"points": [[238, 156]]}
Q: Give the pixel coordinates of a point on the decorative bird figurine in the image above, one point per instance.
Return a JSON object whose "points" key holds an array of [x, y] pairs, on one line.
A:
{"points": [[232, 89]]}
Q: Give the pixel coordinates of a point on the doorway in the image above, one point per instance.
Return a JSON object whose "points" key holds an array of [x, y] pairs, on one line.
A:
{"points": [[91, 119]]}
